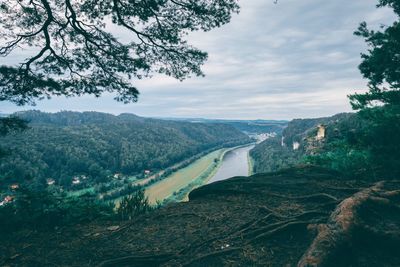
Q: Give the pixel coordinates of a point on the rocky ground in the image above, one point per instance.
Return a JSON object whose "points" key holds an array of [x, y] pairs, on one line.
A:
{"points": [[297, 217]]}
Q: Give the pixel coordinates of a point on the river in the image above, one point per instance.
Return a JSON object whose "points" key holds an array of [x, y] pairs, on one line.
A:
{"points": [[234, 163]]}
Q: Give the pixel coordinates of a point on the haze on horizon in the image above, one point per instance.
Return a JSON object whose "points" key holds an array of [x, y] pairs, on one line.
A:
{"points": [[273, 61]]}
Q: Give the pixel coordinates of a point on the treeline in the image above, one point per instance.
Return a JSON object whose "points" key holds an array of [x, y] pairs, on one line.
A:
{"points": [[97, 145], [270, 156], [256, 126], [248, 126], [37, 209], [353, 144], [276, 153]]}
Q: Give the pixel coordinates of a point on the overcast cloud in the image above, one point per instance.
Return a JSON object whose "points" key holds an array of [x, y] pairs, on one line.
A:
{"points": [[294, 59]]}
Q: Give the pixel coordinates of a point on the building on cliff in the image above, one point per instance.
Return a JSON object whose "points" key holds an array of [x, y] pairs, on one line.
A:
{"points": [[321, 132]]}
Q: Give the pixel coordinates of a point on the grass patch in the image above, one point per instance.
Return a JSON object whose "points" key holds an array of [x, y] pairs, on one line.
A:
{"points": [[182, 178], [81, 192]]}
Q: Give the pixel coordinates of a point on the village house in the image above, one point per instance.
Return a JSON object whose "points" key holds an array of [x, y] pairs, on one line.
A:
{"points": [[76, 180], [147, 172], [14, 186], [117, 175], [7, 199], [50, 181], [296, 145]]}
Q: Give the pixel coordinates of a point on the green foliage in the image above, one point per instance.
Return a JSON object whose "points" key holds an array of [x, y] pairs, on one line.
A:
{"points": [[270, 156], [67, 144], [122, 191], [380, 106], [366, 145], [132, 205], [382, 139], [10, 125], [342, 157], [343, 149], [381, 65], [299, 129], [255, 126], [76, 53], [42, 210]]}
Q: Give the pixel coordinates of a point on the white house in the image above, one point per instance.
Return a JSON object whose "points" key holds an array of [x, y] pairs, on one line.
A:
{"points": [[50, 181], [296, 145], [76, 180], [6, 200]]}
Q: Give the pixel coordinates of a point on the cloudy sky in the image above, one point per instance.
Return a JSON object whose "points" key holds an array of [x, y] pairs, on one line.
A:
{"points": [[294, 59]]}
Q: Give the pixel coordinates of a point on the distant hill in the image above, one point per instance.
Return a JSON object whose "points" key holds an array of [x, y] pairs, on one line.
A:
{"points": [[61, 145], [246, 126]]}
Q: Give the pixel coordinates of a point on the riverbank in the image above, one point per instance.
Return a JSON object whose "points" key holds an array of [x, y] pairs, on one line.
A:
{"points": [[250, 162], [203, 179], [179, 184], [235, 163], [170, 185]]}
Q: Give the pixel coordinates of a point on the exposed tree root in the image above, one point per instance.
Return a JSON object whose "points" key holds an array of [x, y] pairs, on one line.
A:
{"points": [[212, 255], [151, 260], [350, 189], [337, 232], [272, 225], [391, 194], [322, 196], [283, 227]]}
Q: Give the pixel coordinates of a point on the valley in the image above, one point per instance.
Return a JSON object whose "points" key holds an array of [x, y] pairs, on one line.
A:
{"points": [[215, 166], [206, 209], [257, 144], [108, 157]]}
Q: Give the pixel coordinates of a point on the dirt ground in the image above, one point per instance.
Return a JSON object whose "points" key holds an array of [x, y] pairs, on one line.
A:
{"points": [[298, 217]]}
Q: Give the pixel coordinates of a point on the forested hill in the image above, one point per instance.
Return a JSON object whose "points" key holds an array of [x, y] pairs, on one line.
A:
{"points": [[64, 144], [247, 126], [299, 144]]}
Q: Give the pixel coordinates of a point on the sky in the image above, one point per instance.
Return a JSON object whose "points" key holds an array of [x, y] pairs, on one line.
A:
{"points": [[294, 59]]}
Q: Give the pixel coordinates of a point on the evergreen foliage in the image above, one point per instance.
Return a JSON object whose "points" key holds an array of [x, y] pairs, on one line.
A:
{"points": [[76, 53], [132, 205], [40, 209], [364, 145], [380, 106], [97, 145]]}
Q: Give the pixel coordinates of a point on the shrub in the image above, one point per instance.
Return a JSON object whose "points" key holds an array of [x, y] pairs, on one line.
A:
{"points": [[42, 210], [133, 205]]}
